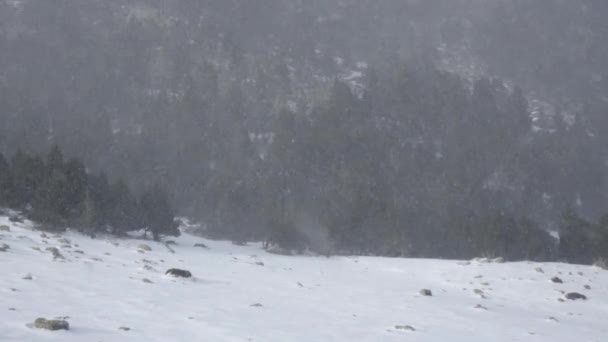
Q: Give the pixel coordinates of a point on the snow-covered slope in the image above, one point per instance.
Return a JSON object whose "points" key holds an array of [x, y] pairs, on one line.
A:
{"points": [[99, 287]]}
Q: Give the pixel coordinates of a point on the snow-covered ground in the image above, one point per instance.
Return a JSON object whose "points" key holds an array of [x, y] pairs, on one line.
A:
{"points": [[99, 288]]}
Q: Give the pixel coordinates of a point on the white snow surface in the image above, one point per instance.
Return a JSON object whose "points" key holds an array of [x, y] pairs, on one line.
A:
{"points": [[303, 298]]}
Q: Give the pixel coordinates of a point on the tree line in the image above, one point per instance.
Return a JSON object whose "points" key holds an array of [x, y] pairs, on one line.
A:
{"points": [[423, 164], [59, 193]]}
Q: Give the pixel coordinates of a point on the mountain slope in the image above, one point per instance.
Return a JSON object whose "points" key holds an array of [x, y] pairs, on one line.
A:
{"points": [[302, 298]]}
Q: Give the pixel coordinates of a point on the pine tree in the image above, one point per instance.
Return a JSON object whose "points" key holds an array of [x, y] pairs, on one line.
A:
{"points": [[28, 175], [125, 214], [76, 187], [157, 214], [6, 183]]}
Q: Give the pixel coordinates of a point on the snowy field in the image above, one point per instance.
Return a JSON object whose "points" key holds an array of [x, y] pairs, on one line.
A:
{"points": [[242, 293]]}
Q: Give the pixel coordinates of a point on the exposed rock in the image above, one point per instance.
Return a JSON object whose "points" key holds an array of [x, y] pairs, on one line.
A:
{"points": [[170, 242], [4, 247], [179, 273], [405, 327], [256, 305], [36, 248], [146, 280], [201, 245], [12, 309], [557, 280], [64, 241], [5, 229], [149, 268], [259, 263], [53, 325], [575, 296], [144, 247], [44, 236], [480, 307], [539, 270], [426, 293], [124, 328], [55, 252], [587, 287], [27, 277]]}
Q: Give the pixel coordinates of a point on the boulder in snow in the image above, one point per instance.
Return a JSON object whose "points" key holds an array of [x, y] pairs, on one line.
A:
{"points": [[426, 293], [4, 247], [557, 280], [51, 324], [55, 252], [405, 327], [575, 296], [179, 273], [5, 229], [201, 245]]}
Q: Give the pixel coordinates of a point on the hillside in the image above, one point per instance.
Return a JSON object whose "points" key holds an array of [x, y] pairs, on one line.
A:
{"points": [[99, 287]]}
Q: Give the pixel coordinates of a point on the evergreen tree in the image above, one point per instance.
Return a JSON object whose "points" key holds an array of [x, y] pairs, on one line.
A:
{"points": [[575, 243], [125, 215], [6, 183], [76, 187], [28, 175], [157, 215]]}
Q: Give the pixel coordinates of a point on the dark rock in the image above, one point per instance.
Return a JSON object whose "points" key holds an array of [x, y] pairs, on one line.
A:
{"points": [[201, 245], [481, 307], [256, 305], [557, 280], [5, 229], [426, 293], [124, 328], [148, 281], [4, 247], [55, 252], [405, 327], [587, 287], [179, 273], [575, 296], [170, 242], [53, 325]]}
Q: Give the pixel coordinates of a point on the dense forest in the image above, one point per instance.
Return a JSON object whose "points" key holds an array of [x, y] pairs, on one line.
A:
{"points": [[59, 193], [446, 128]]}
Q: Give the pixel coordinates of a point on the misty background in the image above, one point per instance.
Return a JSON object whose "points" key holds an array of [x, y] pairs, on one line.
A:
{"points": [[444, 128]]}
